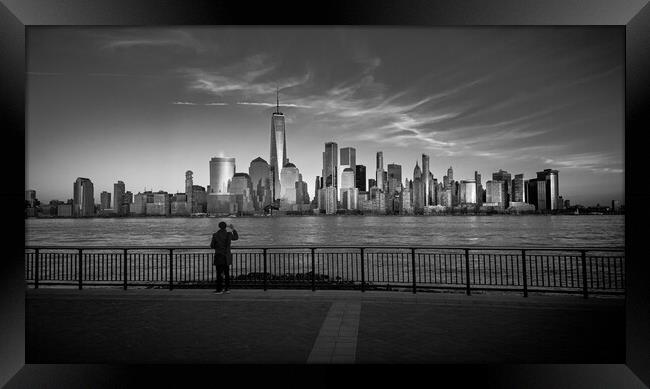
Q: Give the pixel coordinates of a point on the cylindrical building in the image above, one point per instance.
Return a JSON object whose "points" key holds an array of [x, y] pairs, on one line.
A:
{"points": [[221, 172]]}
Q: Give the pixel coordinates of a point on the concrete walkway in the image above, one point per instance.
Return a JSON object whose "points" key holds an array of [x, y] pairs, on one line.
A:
{"points": [[322, 327]]}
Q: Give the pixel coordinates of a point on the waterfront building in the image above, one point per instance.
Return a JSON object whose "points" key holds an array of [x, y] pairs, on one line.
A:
{"points": [[542, 201], [330, 165], [349, 198], [348, 159], [506, 178], [446, 199], [30, 197], [379, 171], [418, 189], [64, 210], [550, 190], [278, 155], [531, 192], [567, 204], [126, 202], [302, 194], [327, 200], [83, 198], [221, 204], [288, 178], [261, 177], [139, 206], [468, 192], [160, 206], [104, 200], [426, 193], [179, 205], [560, 203], [495, 192], [189, 183], [242, 188], [360, 178], [378, 201], [347, 181], [455, 193], [394, 175], [518, 190], [221, 172], [200, 199], [118, 197], [407, 201], [479, 187]]}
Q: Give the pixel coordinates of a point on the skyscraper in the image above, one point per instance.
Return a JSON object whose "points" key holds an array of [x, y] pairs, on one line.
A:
{"points": [[348, 160], [506, 177], [548, 190], [394, 175], [468, 192], [518, 191], [418, 189], [495, 192], [221, 172], [83, 202], [104, 200], [278, 146], [360, 178], [118, 193], [425, 180], [479, 187], [289, 175], [450, 174], [188, 191], [330, 165], [260, 175], [380, 170]]}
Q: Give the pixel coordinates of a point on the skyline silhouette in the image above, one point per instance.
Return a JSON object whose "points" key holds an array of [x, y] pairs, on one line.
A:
{"points": [[143, 105]]}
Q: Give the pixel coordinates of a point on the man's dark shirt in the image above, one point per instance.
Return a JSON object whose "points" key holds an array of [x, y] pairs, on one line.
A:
{"points": [[221, 245]]}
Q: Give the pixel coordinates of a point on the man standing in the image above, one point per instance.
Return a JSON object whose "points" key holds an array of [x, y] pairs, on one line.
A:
{"points": [[222, 255]]}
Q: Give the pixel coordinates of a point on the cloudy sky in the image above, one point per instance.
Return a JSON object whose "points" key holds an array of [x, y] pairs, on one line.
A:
{"points": [[144, 105]]}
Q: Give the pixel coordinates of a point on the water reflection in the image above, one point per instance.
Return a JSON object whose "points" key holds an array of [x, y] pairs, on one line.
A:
{"points": [[601, 230]]}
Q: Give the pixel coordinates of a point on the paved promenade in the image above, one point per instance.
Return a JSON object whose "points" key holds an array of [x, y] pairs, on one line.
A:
{"points": [[322, 327]]}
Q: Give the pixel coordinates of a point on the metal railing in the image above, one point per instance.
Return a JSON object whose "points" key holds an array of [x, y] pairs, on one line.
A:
{"points": [[581, 270]]}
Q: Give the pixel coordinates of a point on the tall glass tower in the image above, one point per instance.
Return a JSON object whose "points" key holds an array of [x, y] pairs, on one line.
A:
{"points": [[425, 180], [278, 146]]}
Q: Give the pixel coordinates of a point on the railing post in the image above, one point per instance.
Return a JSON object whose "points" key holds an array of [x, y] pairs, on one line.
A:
{"points": [[124, 269], [468, 291], [313, 270], [585, 293], [80, 269], [363, 272], [523, 270], [265, 276], [37, 265], [171, 269], [413, 266]]}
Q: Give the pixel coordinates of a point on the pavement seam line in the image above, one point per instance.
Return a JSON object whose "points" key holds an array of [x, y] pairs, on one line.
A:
{"points": [[337, 339]]}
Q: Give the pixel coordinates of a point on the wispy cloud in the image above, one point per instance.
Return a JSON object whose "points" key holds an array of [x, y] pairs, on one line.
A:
{"points": [[160, 38], [596, 162], [191, 103], [273, 105]]}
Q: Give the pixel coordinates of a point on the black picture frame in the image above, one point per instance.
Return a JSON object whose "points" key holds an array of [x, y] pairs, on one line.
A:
{"points": [[634, 15]]}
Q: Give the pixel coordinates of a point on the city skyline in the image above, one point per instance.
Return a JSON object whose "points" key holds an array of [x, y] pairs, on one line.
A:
{"points": [[568, 101]]}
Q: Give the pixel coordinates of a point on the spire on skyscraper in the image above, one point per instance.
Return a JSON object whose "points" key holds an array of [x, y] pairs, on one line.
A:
{"points": [[277, 92]]}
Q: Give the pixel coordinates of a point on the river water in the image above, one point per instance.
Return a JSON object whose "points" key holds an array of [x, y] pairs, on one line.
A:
{"points": [[493, 230]]}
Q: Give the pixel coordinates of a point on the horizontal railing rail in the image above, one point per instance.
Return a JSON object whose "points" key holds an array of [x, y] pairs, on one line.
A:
{"points": [[585, 270]]}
